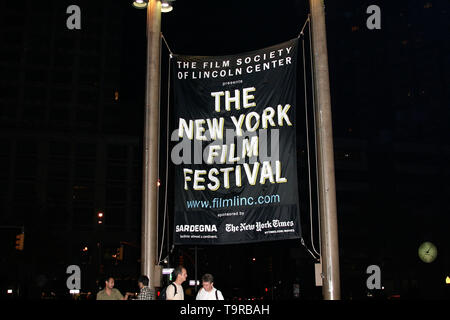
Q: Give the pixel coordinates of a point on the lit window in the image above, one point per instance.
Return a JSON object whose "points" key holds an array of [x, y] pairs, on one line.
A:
{"points": [[116, 95]]}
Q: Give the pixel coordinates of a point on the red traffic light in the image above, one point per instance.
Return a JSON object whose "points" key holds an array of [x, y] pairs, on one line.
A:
{"points": [[20, 238], [100, 217]]}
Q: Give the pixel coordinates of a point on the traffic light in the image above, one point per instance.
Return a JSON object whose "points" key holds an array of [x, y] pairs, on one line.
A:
{"points": [[20, 238], [119, 253], [100, 217]]}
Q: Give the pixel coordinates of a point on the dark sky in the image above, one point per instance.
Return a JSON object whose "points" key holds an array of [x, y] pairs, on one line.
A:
{"points": [[390, 91]]}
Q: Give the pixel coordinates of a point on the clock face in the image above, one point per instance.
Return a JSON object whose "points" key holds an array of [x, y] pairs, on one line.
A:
{"points": [[427, 252]]}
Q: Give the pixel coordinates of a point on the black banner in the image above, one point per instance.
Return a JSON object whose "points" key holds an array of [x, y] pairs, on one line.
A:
{"points": [[235, 147]]}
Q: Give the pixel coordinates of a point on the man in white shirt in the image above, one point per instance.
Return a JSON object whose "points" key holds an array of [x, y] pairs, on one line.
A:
{"points": [[208, 292], [174, 290]]}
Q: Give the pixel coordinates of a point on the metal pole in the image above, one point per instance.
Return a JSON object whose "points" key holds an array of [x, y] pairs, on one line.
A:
{"points": [[325, 156], [149, 237]]}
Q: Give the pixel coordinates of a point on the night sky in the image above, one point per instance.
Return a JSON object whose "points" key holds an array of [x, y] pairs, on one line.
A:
{"points": [[390, 91]]}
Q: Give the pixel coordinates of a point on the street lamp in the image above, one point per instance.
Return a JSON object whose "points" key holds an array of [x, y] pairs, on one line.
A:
{"points": [[329, 252], [140, 4], [150, 174], [166, 5]]}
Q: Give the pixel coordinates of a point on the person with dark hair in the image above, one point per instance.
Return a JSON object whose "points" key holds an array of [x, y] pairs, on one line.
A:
{"points": [[174, 291], [208, 292], [145, 292], [109, 292], [144, 280]]}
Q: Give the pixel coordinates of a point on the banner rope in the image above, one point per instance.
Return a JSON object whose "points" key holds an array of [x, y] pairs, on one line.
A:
{"points": [[159, 139], [314, 118], [303, 28], [166, 214], [307, 22], [167, 45]]}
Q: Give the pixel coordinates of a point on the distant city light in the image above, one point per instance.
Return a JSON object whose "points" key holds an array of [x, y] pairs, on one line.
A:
{"points": [[167, 271], [10, 291], [192, 282], [85, 249]]}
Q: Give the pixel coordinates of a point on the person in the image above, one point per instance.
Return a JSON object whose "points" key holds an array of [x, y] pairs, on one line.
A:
{"points": [[208, 292], [109, 292], [145, 292], [180, 275]]}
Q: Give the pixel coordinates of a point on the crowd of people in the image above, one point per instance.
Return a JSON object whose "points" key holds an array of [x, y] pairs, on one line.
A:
{"points": [[173, 291]]}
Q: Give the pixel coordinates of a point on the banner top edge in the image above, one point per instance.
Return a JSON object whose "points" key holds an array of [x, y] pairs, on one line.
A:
{"points": [[238, 53]]}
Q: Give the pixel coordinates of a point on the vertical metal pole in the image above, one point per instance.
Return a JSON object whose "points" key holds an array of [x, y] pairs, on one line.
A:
{"points": [[149, 237], [325, 156]]}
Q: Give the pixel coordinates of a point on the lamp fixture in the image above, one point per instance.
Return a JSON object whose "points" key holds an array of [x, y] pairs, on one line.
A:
{"points": [[166, 5], [140, 4]]}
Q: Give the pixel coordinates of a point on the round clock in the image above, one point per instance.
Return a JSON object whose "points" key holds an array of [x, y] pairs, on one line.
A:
{"points": [[427, 252]]}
